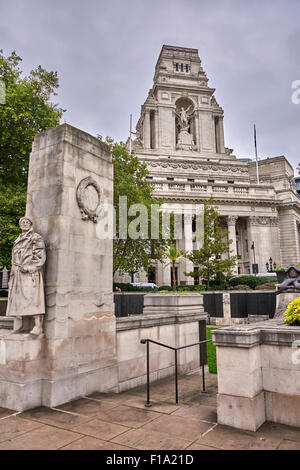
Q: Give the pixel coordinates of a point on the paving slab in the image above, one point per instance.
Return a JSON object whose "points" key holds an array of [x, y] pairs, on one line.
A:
{"points": [[289, 445], [85, 407], [128, 416], [101, 429], [147, 440], [201, 412], [12, 427], [55, 417], [42, 438], [122, 422], [178, 426], [160, 406], [226, 438], [4, 412], [90, 443]]}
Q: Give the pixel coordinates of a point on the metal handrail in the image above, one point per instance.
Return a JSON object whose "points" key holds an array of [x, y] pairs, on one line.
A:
{"points": [[199, 343]]}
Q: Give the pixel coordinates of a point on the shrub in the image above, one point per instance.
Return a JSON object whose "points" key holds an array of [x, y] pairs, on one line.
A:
{"points": [[165, 288], [125, 287], [242, 287], [292, 313], [267, 286], [199, 287], [251, 281]]}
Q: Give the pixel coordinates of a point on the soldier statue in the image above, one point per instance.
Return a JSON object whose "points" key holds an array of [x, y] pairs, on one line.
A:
{"points": [[26, 296]]}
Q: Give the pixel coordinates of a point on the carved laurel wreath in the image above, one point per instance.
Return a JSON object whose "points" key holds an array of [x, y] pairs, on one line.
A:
{"points": [[86, 212]]}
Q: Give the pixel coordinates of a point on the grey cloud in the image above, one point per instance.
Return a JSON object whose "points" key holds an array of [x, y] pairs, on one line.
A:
{"points": [[105, 53]]}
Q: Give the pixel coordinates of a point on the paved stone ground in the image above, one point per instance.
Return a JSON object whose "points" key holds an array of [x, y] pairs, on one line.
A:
{"points": [[121, 422]]}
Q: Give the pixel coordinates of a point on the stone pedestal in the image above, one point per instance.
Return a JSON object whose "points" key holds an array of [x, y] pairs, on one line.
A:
{"points": [[282, 301], [185, 141], [176, 304], [70, 173], [258, 374], [189, 318]]}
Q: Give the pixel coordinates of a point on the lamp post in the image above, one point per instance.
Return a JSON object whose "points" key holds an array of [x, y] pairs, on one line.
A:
{"points": [[254, 265], [270, 266]]}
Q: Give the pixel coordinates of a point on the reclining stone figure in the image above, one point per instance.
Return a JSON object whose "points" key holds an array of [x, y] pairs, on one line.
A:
{"points": [[291, 283]]}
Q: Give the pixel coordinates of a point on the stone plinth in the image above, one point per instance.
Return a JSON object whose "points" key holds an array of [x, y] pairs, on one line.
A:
{"points": [[185, 141], [77, 355], [258, 374], [175, 304], [181, 316]]}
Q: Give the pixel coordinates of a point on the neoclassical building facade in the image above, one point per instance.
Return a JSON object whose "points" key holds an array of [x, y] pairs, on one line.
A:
{"points": [[180, 136]]}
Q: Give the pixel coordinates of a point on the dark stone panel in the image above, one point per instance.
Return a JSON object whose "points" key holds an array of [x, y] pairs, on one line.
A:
{"points": [[128, 304], [252, 303], [213, 304]]}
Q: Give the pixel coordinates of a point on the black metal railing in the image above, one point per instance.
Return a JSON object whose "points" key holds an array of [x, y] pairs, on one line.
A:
{"points": [[202, 363]]}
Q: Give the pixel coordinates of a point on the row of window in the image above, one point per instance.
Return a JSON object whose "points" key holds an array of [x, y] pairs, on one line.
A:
{"points": [[190, 180], [181, 67]]}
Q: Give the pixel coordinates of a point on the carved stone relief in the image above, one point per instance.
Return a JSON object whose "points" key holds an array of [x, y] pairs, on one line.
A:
{"points": [[88, 197]]}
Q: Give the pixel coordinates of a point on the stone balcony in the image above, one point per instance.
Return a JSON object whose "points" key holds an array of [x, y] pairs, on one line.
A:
{"points": [[213, 189]]}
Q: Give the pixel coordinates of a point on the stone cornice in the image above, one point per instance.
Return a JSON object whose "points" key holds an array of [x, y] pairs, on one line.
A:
{"points": [[192, 199], [150, 320], [272, 332], [191, 88], [290, 205], [197, 166], [262, 220]]}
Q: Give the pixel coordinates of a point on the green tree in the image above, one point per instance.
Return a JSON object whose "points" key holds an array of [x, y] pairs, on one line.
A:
{"points": [[27, 110], [12, 204], [131, 255], [215, 244]]}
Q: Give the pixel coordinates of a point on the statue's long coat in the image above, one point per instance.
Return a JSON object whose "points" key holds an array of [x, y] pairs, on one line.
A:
{"points": [[26, 289]]}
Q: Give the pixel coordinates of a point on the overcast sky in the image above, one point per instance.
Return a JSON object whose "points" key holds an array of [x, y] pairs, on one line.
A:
{"points": [[105, 52]]}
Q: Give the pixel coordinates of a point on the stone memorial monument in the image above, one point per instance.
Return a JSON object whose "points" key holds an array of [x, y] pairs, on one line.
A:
{"points": [[70, 180], [26, 299]]}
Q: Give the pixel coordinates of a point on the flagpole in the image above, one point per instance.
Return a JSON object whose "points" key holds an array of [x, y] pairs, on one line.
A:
{"points": [[257, 175], [130, 132]]}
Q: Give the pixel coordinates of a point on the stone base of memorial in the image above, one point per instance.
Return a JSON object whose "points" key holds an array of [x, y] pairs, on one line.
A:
{"points": [[258, 374], [22, 367]]}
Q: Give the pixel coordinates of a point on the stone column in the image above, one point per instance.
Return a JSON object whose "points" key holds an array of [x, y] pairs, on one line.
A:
{"points": [[263, 231], [185, 264], [147, 129], [164, 273], [156, 127], [231, 220], [221, 135], [197, 126]]}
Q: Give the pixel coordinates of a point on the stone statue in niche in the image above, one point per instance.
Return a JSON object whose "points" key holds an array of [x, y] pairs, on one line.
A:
{"points": [[185, 139], [183, 118], [26, 298]]}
